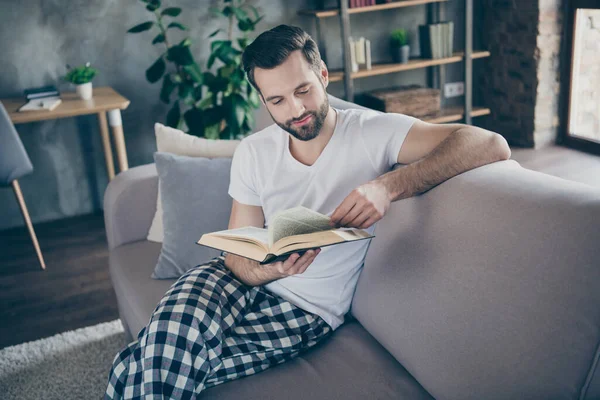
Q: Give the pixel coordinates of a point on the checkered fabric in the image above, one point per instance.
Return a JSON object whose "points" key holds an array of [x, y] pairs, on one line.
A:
{"points": [[210, 328]]}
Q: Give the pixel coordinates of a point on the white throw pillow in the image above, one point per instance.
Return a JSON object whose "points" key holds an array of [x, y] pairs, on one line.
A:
{"points": [[170, 140]]}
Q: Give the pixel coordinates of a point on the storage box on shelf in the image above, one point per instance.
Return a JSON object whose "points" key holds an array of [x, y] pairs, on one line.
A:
{"points": [[411, 100]]}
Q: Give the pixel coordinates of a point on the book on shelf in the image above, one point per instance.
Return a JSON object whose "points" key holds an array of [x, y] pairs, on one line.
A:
{"points": [[294, 230], [436, 40], [360, 53], [44, 103]]}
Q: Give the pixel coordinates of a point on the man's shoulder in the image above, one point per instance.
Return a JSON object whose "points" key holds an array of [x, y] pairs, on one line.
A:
{"points": [[368, 118], [263, 139]]}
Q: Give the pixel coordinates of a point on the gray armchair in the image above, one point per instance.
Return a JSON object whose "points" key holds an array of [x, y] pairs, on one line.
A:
{"points": [[15, 163]]}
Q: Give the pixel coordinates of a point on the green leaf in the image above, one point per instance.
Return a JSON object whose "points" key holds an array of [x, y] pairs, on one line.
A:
{"points": [[195, 73], [218, 43], [227, 11], [212, 132], [216, 11], [240, 14], [239, 109], [174, 116], [248, 123], [205, 102], [248, 25], [243, 42], [253, 99], [186, 42], [213, 115], [194, 121], [198, 93], [211, 60], [153, 6], [180, 55], [171, 11], [226, 71], [167, 88], [141, 27], [185, 89], [245, 25], [156, 71], [214, 33], [176, 25], [160, 38]]}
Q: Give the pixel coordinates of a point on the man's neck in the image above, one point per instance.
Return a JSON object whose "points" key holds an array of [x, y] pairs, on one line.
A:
{"points": [[308, 152]]}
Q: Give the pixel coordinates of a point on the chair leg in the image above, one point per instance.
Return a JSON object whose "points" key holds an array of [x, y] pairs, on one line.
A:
{"points": [[21, 201]]}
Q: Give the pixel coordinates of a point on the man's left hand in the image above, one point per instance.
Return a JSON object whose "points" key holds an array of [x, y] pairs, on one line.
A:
{"points": [[364, 206]]}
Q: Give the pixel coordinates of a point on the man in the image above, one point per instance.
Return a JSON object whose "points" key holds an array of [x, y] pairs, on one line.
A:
{"points": [[233, 317]]}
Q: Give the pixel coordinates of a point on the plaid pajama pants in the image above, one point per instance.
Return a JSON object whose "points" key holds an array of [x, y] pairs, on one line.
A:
{"points": [[210, 328]]}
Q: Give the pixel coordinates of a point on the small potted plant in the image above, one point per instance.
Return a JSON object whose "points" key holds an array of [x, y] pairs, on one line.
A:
{"points": [[82, 77], [399, 46]]}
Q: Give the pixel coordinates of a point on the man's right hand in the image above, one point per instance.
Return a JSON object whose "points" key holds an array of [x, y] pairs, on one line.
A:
{"points": [[253, 274], [295, 264]]}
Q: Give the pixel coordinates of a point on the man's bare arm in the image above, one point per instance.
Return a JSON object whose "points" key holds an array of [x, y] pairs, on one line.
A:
{"points": [[465, 148], [434, 153], [251, 272]]}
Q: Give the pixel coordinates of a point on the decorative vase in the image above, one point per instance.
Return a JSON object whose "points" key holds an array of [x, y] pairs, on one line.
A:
{"points": [[401, 54], [84, 91], [405, 53]]}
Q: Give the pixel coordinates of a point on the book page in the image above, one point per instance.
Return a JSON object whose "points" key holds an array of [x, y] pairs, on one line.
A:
{"points": [[250, 232], [296, 221]]}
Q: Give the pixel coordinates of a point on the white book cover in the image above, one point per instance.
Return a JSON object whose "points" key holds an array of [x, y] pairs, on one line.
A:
{"points": [[368, 54], [360, 51], [47, 103], [353, 54]]}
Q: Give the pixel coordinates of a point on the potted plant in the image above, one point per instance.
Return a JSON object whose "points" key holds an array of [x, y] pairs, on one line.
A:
{"points": [[399, 46], [82, 77], [215, 101]]}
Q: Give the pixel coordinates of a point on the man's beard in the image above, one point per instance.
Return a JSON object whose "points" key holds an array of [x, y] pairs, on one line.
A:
{"points": [[310, 130]]}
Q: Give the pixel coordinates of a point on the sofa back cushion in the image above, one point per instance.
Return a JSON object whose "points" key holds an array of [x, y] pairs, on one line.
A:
{"points": [[488, 286], [194, 198]]}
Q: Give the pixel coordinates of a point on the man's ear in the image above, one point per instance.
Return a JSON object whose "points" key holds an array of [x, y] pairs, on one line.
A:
{"points": [[324, 74]]}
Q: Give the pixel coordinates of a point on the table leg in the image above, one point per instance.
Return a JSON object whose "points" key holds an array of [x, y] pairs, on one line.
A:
{"points": [[108, 155], [116, 125]]}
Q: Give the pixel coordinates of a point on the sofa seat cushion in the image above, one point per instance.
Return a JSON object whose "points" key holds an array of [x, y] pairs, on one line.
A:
{"points": [[137, 293], [349, 365]]}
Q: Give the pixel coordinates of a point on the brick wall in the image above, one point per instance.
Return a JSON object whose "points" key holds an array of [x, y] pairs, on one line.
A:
{"points": [[521, 81]]}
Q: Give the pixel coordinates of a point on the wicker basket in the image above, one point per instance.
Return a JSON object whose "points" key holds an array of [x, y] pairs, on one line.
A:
{"points": [[411, 100]]}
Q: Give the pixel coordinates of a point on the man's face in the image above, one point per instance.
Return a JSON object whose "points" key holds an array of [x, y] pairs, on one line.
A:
{"points": [[294, 96]]}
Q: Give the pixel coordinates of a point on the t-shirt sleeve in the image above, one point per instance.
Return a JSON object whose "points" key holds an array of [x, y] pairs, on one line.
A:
{"points": [[242, 183], [383, 135]]}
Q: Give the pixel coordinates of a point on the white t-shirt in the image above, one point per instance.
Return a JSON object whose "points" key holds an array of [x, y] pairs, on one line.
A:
{"points": [[365, 144]]}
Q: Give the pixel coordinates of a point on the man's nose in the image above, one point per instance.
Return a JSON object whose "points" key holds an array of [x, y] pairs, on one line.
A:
{"points": [[298, 108]]}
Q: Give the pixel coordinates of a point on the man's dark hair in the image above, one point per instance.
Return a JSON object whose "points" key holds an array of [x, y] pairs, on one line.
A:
{"points": [[271, 48]]}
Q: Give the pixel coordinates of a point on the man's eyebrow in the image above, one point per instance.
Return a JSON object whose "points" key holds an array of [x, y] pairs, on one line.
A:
{"points": [[297, 87]]}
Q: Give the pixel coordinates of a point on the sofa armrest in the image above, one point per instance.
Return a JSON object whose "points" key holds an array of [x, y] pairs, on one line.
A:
{"points": [[488, 286], [130, 204]]}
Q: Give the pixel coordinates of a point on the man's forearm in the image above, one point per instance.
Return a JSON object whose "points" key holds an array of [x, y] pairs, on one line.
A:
{"points": [[465, 149], [246, 270]]}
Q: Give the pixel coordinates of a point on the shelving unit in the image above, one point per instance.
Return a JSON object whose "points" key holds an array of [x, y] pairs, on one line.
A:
{"points": [[436, 73]]}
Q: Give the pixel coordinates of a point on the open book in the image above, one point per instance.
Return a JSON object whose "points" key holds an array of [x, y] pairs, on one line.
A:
{"points": [[295, 230]]}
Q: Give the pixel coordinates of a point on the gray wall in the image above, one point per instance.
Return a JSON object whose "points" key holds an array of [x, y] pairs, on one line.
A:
{"points": [[37, 39]]}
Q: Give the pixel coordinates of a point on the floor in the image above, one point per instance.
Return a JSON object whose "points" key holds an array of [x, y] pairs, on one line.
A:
{"points": [[75, 290]]}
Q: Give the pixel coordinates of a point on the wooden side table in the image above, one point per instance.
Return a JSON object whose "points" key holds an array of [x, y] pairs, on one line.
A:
{"points": [[105, 100]]}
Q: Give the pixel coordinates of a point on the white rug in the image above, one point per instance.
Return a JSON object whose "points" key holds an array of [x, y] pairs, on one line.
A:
{"points": [[70, 365]]}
